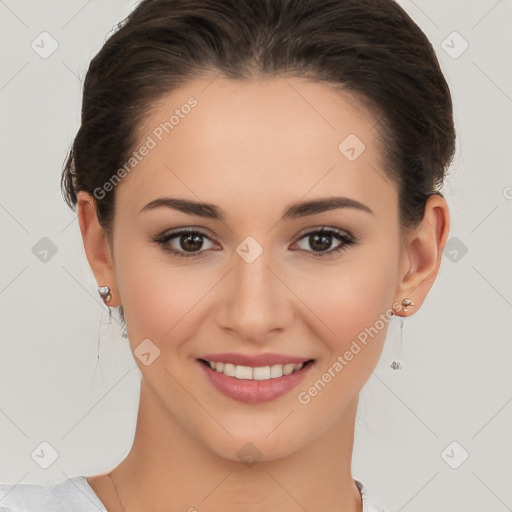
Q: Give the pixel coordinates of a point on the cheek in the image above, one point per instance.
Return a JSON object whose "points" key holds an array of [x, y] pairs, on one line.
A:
{"points": [[158, 296], [352, 297], [354, 305]]}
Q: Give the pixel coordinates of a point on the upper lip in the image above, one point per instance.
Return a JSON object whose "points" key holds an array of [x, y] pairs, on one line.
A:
{"points": [[254, 360]]}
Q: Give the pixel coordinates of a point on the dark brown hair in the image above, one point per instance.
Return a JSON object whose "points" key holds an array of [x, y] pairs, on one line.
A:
{"points": [[371, 48]]}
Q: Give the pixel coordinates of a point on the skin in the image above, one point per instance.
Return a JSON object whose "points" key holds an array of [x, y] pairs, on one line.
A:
{"points": [[253, 148]]}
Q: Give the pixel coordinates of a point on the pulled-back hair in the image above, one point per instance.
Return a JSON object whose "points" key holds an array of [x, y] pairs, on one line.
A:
{"points": [[371, 48]]}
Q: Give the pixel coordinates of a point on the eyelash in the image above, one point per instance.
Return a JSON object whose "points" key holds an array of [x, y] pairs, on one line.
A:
{"points": [[342, 236]]}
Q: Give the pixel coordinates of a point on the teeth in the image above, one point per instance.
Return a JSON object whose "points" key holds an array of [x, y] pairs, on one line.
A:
{"points": [[261, 373], [243, 372], [258, 373]]}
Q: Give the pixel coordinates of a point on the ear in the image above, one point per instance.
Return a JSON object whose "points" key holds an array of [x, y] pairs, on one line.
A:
{"points": [[96, 245], [422, 254]]}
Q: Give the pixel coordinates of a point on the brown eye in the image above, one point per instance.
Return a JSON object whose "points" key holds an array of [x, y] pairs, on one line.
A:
{"points": [[321, 240], [191, 241], [184, 243]]}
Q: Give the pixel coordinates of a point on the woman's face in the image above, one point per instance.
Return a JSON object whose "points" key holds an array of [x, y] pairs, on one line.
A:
{"points": [[259, 278]]}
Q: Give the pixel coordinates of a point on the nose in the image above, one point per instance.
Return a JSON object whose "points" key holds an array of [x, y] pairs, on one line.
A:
{"points": [[256, 302]]}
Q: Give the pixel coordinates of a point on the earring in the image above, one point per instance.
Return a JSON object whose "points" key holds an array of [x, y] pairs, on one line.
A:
{"points": [[397, 365], [105, 294], [406, 303]]}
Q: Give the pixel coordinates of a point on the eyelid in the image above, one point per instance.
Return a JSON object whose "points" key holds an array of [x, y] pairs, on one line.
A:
{"points": [[301, 234], [179, 231], [343, 236], [324, 227], [345, 239], [186, 229]]}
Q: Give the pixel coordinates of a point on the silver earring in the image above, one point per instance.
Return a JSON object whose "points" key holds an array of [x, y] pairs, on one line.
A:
{"points": [[397, 365], [105, 294], [406, 303]]}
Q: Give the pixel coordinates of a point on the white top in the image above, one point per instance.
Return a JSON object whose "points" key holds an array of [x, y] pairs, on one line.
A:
{"points": [[76, 495]]}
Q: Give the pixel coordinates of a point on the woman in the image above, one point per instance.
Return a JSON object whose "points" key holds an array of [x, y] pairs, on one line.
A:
{"points": [[257, 184]]}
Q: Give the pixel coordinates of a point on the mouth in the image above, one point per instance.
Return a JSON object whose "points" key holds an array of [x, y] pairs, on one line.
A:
{"points": [[254, 384], [241, 372]]}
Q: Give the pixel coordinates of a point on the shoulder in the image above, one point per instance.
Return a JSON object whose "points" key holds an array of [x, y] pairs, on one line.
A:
{"points": [[368, 504], [71, 494]]}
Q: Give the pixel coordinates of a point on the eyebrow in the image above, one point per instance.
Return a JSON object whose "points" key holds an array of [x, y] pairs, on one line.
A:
{"points": [[294, 211]]}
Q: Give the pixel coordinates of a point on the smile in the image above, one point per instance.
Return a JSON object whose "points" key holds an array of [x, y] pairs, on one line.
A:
{"points": [[254, 373], [254, 384]]}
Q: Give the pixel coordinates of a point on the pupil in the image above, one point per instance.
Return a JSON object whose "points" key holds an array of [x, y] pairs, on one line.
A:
{"points": [[323, 244], [191, 241]]}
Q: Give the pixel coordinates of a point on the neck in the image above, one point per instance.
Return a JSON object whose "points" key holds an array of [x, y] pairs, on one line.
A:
{"points": [[168, 469]]}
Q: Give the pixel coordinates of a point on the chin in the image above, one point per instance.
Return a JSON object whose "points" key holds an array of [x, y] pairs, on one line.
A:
{"points": [[256, 445]]}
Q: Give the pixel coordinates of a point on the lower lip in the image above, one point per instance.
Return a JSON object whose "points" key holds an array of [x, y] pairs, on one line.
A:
{"points": [[255, 391]]}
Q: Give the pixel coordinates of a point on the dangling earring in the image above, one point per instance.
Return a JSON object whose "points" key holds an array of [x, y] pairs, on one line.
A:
{"points": [[406, 303], [105, 294], [397, 365]]}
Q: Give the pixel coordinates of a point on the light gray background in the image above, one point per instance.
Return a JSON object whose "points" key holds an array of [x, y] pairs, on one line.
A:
{"points": [[456, 381]]}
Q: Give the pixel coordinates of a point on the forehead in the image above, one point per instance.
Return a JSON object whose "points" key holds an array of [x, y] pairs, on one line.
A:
{"points": [[216, 138]]}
